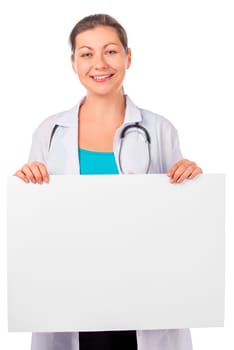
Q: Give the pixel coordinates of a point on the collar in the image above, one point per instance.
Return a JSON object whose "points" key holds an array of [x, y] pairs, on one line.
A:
{"points": [[132, 113], [69, 118]]}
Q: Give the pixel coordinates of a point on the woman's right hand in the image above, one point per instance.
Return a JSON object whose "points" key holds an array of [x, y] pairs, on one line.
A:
{"points": [[35, 172]]}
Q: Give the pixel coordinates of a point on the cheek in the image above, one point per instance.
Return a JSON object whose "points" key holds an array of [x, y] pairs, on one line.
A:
{"points": [[121, 65], [126, 64], [85, 67], [81, 70]]}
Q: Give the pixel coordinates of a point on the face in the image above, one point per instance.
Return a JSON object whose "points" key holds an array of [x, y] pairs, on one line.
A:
{"points": [[100, 60]]}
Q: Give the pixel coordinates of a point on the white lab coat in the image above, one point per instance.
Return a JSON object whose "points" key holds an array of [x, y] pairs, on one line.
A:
{"points": [[61, 157]]}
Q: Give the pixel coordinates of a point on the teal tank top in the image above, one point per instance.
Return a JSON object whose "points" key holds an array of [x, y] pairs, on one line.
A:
{"points": [[97, 163]]}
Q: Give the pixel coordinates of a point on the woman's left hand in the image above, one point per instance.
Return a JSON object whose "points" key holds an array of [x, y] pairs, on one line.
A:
{"points": [[184, 169]]}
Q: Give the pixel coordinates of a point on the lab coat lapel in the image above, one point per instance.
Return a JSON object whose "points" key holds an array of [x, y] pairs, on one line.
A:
{"points": [[70, 148], [63, 155]]}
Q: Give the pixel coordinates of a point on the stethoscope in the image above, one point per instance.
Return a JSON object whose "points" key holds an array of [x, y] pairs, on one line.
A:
{"points": [[136, 127], [141, 130]]}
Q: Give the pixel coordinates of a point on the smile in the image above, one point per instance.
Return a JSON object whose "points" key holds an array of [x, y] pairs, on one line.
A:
{"points": [[102, 77]]}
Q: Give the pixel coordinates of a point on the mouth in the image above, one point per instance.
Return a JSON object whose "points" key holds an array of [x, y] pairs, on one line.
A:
{"points": [[102, 78]]}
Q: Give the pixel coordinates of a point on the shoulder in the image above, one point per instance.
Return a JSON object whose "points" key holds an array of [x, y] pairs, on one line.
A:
{"points": [[159, 125], [147, 117], [155, 118], [65, 118]]}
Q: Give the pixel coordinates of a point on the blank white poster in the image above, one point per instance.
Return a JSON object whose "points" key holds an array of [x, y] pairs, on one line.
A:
{"points": [[115, 252]]}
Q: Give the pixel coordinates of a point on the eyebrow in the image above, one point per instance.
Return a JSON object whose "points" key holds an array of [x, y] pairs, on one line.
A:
{"points": [[90, 48]]}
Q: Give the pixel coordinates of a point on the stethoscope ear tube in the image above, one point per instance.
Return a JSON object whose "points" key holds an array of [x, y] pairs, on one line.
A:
{"points": [[136, 125], [148, 139]]}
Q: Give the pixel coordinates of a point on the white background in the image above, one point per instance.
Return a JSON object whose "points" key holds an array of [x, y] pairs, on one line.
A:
{"points": [[182, 68]]}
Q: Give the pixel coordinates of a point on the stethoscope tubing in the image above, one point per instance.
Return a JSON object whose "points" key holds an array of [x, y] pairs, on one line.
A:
{"points": [[148, 140]]}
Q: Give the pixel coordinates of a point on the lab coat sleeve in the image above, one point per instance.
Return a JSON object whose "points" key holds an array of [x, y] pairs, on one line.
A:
{"points": [[55, 341], [36, 152], [170, 147], [167, 339], [165, 146]]}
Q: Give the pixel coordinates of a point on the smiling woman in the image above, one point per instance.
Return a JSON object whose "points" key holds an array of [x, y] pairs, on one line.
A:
{"points": [[89, 139], [99, 57]]}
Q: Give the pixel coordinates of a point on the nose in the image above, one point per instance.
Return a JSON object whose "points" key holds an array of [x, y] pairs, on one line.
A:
{"points": [[100, 62]]}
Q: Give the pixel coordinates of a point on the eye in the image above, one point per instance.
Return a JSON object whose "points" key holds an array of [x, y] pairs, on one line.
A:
{"points": [[86, 54], [111, 52]]}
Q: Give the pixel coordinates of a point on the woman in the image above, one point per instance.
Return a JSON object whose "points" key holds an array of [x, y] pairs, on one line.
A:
{"points": [[87, 140]]}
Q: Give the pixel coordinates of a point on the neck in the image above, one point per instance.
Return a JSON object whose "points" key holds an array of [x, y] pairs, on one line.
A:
{"points": [[104, 109]]}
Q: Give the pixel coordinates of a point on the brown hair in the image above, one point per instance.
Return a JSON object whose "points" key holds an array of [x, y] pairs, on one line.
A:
{"points": [[91, 22]]}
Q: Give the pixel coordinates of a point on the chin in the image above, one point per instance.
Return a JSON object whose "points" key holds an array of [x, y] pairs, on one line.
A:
{"points": [[103, 93]]}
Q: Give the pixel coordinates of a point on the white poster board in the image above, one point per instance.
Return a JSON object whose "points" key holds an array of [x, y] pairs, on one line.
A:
{"points": [[115, 252]]}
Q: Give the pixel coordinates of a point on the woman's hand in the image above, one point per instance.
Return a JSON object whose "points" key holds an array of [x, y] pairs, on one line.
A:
{"points": [[35, 172], [184, 169]]}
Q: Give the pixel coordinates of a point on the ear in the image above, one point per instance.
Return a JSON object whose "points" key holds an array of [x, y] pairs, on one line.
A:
{"points": [[73, 63], [129, 54]]}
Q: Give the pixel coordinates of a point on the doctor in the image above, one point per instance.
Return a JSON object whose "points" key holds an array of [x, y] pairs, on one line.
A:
{"points": [[89, 139]]}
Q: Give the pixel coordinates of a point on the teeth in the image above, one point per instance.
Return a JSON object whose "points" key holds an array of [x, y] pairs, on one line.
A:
{"points": [[101, 77]]}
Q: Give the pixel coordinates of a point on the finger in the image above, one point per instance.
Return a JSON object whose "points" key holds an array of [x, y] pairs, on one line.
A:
{"points": [[44, 172], [185, 174], [178, 173], [195, 173], [190, 173], [172, 170], [21, 176], [27, 171], [176, 166], [35, 168]]}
